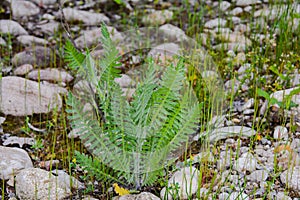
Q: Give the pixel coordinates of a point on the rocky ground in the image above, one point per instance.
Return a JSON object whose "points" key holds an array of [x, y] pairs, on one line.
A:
{"points": [[253, 150]]}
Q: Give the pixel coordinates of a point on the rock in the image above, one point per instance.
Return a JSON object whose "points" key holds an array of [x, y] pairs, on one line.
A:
{"points": [[21, 8], [226, 132], [44, 2], [280, 132], [218, 22], [217, 122], [172, 33], [235, 46], [187, 180], [141, 196], [92, 37], [258, 175], [234, 38], [50, 74], [247, 162], [21, 97], [36, 56], [69, 181], [12, 161], [238, 196], [164, 51], [49, 28], [157, 17], [291, 178], [34, 183], [245, 3], [236, 11], [248, 104], [23, 70], [282, 196], [89, 198], [11, 27], [128, 93], [2, 42], [29, 40], [280, 95], [88, 18], [125, 81], [224, 5], [19, 140]]}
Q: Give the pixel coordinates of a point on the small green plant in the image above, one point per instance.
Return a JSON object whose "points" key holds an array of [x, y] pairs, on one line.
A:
{"points": [[131, 141]]}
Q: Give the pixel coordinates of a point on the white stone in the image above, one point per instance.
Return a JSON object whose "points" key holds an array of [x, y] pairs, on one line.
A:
{"points": [[187, 180], [157, 17], [12, 161], [21, 8], [11, 27], [23, 69], [2, 42], [218, 22], [236, 11], [280, 132], [227, 132], [238, 196], [29, 40], [50, 74], [92, 37], [21, 97], [141, 196], [44, 2], [245, 3], [291, 178], [258, 175], [173, 33], [34, 183], [224, 5], [247, 162], [88, 18]]}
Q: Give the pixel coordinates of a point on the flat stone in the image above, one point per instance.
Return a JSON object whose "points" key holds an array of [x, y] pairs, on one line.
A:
{"points": [[172, 33], [45, 2], [141, 196], [247, 162], [258, 175], [234, 38], [21, 8], [224, 5], [36, 56], [238, 196], [245, 3], [12, 161], [235, 46], [218, 22], [236, 11], [280, 132], [249, 104], [34, 183], [92, 37], [49, 28], [19, 140], [50, 74], [187, 180], [12, 27], [157, 17], [21, 97], [291, 178], [23, 70], [88, 18], [29, 40], [280, 95], [227, 132], [282, 196]]}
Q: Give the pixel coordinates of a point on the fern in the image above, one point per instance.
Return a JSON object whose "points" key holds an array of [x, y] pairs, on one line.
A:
{"points": [[135, 140]]}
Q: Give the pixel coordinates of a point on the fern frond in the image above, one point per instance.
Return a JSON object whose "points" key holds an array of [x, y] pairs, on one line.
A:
{"points": [[97, 169], [72, 56]]}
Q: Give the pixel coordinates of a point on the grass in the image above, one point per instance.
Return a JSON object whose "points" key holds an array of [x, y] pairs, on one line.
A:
{"points": [[277, 57]]}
